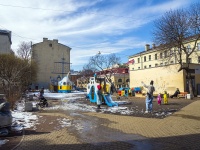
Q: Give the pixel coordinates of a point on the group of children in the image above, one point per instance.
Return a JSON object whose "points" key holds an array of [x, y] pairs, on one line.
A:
{"points": [[165, 98]]}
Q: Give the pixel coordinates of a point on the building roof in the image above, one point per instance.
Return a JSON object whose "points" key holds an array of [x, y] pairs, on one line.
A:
{"points": [[54, 40], [163, 46], [6, 32], [113, 70]]}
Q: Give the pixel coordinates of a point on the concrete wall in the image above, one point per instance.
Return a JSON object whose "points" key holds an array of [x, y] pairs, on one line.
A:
{"points": [[163, 70], [46, 54], [165, 78]]}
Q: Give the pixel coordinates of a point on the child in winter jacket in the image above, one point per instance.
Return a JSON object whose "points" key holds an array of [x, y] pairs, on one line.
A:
{"points": [[159, 99]]}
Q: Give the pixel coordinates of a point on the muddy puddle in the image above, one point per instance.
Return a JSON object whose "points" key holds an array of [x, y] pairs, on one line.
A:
{"points": [[91, 131]]}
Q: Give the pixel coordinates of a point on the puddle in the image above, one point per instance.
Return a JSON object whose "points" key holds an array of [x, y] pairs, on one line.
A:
{"points": [[90, 130]]}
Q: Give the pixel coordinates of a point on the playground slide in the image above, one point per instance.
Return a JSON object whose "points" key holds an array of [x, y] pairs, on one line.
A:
{"points": [[109, 101]]}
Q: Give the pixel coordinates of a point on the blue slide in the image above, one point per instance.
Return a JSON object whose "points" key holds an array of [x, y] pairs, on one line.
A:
{"points": [[109, 101]]}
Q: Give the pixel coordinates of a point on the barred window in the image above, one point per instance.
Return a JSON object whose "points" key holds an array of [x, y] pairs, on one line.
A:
{"points": [[161, 55], [156, 56]]}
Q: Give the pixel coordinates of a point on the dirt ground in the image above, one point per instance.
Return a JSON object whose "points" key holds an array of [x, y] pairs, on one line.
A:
{"points": [[135, 104]]}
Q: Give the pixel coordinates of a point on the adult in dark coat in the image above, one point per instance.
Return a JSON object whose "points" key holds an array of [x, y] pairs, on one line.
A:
{"points": [[175, 94]]}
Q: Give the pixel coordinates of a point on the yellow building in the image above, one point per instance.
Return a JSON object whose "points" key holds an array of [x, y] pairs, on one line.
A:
{"points": [[120, 78], [53, 60], [157, 64]]}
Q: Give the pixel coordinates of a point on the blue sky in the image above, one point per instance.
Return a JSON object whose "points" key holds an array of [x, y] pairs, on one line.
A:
{"points": [[122, 27]]}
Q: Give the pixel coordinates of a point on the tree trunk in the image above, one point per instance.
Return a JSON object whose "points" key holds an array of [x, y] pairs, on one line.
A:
{"points": [[190, 88]]}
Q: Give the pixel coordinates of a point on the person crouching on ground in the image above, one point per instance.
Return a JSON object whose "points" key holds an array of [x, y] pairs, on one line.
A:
{"points": [[99, 99], [149, 96]]}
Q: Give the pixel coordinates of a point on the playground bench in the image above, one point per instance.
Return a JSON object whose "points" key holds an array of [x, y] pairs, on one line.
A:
{"points": [[182, 95]]}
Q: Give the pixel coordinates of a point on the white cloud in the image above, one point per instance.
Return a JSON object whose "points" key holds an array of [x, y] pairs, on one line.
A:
{"points": [[85, 26]]}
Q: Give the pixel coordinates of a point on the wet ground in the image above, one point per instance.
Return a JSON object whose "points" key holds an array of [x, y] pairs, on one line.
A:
{"points": [[93, 131], [90, 129], [135, 106]]}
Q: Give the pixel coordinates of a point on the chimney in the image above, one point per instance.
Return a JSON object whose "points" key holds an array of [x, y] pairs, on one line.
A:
{"points": [[45, 39], [55, 40], [147, 47], [153, 45]]}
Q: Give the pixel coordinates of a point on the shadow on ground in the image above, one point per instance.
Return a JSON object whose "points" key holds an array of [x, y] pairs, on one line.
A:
{"points": [[169, 143]]}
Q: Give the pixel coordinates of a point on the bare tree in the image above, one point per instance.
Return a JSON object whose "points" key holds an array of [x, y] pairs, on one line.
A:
{"points": [[24, 50], [104, 64], [87, 72], [173, 31], [15, 76]]}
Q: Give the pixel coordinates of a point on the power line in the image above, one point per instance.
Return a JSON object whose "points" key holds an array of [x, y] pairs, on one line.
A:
{"points": [[15, 34], [47, 9]]}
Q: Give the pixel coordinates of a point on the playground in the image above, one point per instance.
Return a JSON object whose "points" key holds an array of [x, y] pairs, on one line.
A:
{"points": [[73, 117], [66, 119]]}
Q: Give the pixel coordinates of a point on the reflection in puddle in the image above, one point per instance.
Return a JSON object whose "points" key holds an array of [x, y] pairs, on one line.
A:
{"points": [[90, 130]]}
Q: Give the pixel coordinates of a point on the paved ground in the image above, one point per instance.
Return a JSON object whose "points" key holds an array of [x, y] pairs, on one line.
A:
{"points": [[97, 130]]}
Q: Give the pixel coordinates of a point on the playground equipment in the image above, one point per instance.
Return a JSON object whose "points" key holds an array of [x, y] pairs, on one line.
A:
{"points": [[126, 92], [105, 87], [65, 85]]}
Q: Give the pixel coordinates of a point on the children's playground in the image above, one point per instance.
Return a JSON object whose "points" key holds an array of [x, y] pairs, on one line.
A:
{"points": [[92, 91]]}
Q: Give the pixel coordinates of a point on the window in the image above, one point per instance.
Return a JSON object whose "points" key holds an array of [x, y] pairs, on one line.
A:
{"points": [[165, 54], [132, 68], [119, 80], [138, 60], [145, 58], [127, 80], [171, 52], [60, 87], [149, 66], [198, 46], [138, 67], [199, 59], [145, 67], [172, 62], [188, 49], [156, 56], [156, 65], [50, 45], [165, 63], [149, 57], [161, 64], [161, 55], [64, 83]]}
